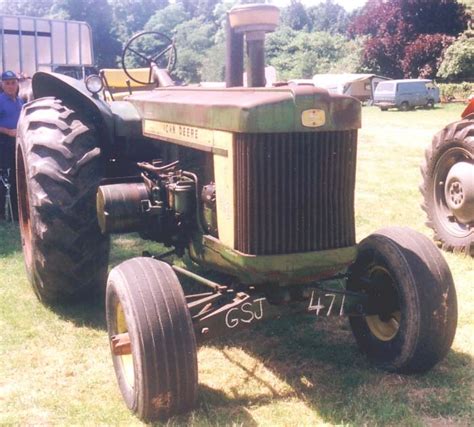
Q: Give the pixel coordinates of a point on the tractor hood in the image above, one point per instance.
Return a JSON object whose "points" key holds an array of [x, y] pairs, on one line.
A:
{"points": [[254, 110]]}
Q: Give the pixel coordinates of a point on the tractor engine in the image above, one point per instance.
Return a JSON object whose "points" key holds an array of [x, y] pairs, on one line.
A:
{"points": [[160, 207]]}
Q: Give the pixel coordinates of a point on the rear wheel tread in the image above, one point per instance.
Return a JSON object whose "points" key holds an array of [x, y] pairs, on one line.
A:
{"points": [[457, 134], [62, 170]]}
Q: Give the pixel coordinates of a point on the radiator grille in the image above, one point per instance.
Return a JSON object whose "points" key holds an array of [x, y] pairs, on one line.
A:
{"points": [[294, 191]]}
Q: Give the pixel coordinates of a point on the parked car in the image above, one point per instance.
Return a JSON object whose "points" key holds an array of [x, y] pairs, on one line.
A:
{"points": [[406, 94]]}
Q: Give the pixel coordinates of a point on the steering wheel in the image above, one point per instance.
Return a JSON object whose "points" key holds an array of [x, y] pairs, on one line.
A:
{"points": [[162, 48]]}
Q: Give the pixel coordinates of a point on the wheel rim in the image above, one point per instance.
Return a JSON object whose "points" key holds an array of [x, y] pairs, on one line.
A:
{"points": [[459, 191], [443, 189], [384, 326], [24, 209], [125, 360]]}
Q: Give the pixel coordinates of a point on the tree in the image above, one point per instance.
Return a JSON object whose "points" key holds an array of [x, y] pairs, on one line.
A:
{"points": [[130, 16], [193, 39], [26, 7], [458, 60], [213, 64], [423, 55], [393, 27], [300, 54], [166, 20], [98, 14], [329, 17], [382, 56], [295, 16], [199, 8], [435, 16]]}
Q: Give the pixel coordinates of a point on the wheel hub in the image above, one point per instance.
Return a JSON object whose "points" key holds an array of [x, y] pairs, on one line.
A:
{"points": [[459, 191], [121, 347], [385, 325]]}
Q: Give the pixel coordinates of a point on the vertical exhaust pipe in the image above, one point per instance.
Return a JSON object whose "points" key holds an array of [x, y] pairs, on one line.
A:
{"points": [[234, 60], [255, 58], [251, 21]]}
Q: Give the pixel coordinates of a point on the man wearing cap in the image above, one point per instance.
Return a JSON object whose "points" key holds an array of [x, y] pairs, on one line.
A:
{"points": [[10, 108]]}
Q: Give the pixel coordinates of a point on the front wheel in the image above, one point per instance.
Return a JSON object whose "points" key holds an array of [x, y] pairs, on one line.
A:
{"points": [[152, 339], [410, 285]]}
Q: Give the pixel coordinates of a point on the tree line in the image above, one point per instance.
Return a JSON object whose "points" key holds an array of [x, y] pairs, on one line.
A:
{"points": [[396, 38]]}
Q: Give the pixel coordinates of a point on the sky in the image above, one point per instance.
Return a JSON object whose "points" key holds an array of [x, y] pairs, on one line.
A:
{"points": [[349, 5]]}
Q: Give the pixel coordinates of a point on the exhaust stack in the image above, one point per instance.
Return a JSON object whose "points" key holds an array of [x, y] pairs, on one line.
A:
{"points": [[251, 22]]}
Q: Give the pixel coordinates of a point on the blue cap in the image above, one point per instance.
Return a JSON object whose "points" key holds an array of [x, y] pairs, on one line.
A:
{"points": [[9, 75]]}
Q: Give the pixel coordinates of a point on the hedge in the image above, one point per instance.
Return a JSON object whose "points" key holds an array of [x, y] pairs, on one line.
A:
{"points": [[455, 91]]}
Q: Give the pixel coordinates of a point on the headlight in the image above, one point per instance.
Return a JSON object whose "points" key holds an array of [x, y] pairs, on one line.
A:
{"points": [[94, 84]]}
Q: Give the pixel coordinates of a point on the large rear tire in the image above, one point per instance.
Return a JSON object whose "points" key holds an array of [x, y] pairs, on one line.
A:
{"points": [[156, 367], [448, 186], [407, 278], [59, 167]]}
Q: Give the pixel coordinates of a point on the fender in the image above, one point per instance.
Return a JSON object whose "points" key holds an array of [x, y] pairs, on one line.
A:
{"points": [[76, 94], [469, 109]]}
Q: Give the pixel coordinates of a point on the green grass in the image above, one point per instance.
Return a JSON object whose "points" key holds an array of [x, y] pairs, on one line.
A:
{"points": [[56, 369]]}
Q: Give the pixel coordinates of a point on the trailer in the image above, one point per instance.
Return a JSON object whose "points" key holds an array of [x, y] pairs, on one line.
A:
{"points": [[360, 86], [29, 44]]}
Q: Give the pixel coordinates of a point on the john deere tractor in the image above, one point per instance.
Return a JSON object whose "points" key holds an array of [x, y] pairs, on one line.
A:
{"points": [[255, 184]]}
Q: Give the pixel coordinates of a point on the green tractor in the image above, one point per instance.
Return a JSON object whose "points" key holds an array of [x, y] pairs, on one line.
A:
{"points": [[254, 184]]}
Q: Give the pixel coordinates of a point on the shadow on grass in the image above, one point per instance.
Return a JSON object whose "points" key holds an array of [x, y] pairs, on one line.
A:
{"points": [[90, 314], [209, 400], [215, 407], [10, 241], [320, 362], [323, 367]]}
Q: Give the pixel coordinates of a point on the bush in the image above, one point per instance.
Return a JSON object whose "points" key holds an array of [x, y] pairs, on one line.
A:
{"points": [[455, 91], [458, 62]]}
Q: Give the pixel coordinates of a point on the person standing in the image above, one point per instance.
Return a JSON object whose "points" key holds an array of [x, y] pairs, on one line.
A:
{"points": [[10, 108]]}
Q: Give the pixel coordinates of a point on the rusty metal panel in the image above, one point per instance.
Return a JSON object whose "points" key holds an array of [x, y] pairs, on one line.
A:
{"points": [[248, 110], [294, 191]]}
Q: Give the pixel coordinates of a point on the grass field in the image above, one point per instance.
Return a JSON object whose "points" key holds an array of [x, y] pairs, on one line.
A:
{"points": [[56, 369]]}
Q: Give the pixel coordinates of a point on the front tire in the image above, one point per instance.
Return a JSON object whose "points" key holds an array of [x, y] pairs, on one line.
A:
{"points": [[146, 309], [59, 167], [448, 187], [406, 278]]}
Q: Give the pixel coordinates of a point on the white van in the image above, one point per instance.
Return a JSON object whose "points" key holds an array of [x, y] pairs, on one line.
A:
{"points": [[406, 94]]}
